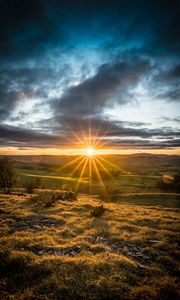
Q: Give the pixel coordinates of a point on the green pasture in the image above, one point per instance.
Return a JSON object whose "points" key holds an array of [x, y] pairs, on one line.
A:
{"points": [[123, 184], [48, 180]]}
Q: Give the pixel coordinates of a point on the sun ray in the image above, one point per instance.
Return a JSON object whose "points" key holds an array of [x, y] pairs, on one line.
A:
{"points": [[78, 166], [81, 174], [99, 140], [95, 137], [104, 168], [100, 179], [80, 138], [90, 174], [109, 163], [90, 135], [89, 161], [85, 140], [70, 163]]}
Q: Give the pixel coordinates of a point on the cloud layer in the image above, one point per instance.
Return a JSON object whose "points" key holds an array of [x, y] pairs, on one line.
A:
{"points": [[65, 66]]}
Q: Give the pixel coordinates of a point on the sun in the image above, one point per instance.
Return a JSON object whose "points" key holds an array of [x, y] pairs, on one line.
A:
{"points": [[89, 166], [89, 152]]}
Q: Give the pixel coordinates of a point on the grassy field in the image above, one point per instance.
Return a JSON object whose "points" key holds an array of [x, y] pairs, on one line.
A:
{"points": [[55, 179], [120, 174], [58, 250]]}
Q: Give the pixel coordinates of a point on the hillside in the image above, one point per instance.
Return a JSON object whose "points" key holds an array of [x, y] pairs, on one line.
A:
{"points": [[58, 250]]}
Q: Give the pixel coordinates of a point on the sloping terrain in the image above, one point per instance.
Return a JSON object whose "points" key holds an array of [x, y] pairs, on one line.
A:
{"points": [[58, 250]]}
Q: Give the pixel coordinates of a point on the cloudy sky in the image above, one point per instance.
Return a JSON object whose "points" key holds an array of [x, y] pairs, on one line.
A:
{"points": [[66, 66]]}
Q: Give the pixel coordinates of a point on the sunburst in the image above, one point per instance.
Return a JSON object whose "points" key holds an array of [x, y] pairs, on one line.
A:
{"points": [[90, 152], [90, 163]]}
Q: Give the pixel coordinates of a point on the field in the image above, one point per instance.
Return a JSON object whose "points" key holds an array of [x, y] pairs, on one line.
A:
{"points": [[120, 174], [57, 248], [63, 252]]}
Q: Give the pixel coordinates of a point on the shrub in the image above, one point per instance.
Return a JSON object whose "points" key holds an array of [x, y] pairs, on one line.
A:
{"points": [[70, 196], [45, 199], [8, 175], [170, 186], [31, 185], [37, 183], [98, 211], [48, 199]]}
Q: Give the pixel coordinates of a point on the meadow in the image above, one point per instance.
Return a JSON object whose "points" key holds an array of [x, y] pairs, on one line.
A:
{"points": [[119, 173], [55, 247]]}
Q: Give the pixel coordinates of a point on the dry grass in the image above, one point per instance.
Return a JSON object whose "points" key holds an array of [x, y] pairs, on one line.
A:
{"points": [[63, 252]]}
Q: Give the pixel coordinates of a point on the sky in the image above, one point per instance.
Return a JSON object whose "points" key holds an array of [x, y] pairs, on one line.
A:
{"points": [[108, 70]]}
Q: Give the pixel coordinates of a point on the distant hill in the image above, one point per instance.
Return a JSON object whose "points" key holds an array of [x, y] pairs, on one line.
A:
{"points": [[138, 163]]}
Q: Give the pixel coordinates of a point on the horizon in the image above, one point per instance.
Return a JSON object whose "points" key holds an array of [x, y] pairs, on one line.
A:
{"points": [[104, 154], [80, 153]]}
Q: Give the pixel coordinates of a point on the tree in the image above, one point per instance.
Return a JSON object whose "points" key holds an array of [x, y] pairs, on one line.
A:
{"points": [[8, 175]]}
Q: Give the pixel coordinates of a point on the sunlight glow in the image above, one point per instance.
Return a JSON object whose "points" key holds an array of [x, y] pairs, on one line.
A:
{"points": [[90, 152], [89, 167]]}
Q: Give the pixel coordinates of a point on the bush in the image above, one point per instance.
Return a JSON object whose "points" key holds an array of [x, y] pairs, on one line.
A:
{"points": [[50, 201], [45, 199], [171, 186], [98, 211], [8, 175], [31, 185], [70, 196]]}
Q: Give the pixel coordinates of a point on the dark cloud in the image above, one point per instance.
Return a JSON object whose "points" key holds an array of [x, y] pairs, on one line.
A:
{"points": [[167, 119], [8, 101], [146, 144], [24, 28], [30, 76], [166, 84], [109, 130], [120, 130], [10, 135], [172, 95], [20, 83], [31, 28], [109, 133], [10, 98], [171, 74], [110, 84]]}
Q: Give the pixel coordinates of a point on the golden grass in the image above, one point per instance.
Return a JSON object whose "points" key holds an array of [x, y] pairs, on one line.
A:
{"points": [[63, 252]]}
